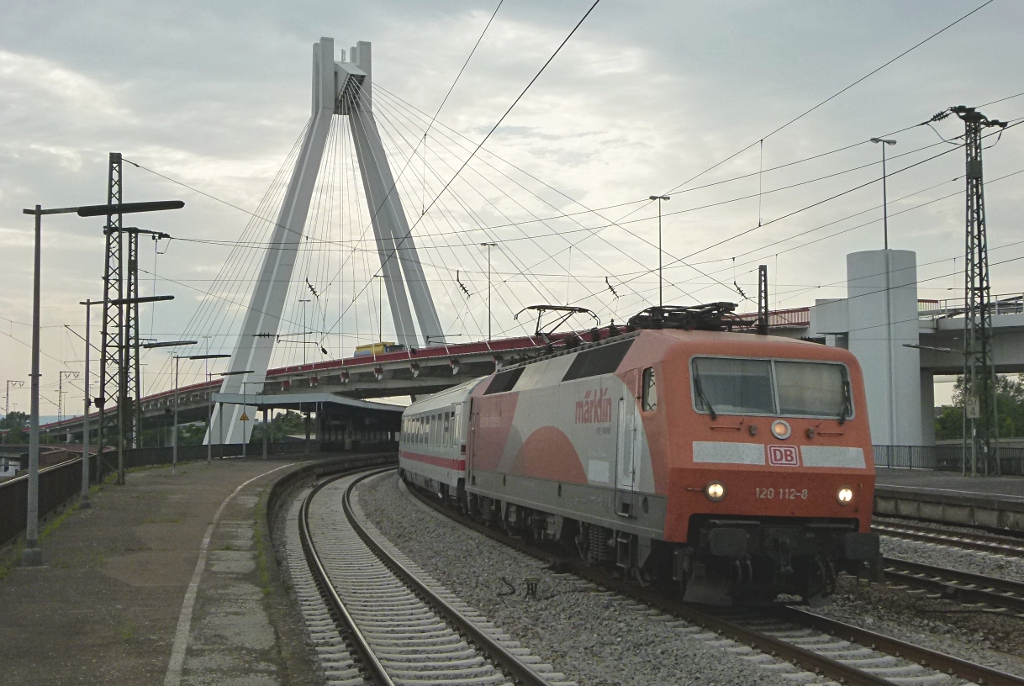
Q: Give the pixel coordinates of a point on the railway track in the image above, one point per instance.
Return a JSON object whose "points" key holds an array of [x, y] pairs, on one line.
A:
{"points": [[980, 540], [844, 653], [952, 584], [378, 619]]}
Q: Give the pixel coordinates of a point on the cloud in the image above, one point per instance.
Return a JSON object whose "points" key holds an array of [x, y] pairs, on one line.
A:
{"points": [[644, 97]]}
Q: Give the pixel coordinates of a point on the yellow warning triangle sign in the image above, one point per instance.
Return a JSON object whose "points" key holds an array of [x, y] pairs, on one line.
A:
{"points": [[244, 417]]}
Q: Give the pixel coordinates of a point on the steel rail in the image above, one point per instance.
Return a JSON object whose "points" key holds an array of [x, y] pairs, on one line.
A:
{"points": [[979, 674], [981, 533], [953, 584], [988, 543], [807, 659], [522, 672], [357, 639]]}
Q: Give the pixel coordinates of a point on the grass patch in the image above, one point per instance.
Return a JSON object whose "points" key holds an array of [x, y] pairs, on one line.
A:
{"points": [[57, 521], [162, 520], [12, 560], [261, 544]]}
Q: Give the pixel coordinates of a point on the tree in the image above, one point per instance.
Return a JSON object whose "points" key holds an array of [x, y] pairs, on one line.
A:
{"points": [[286, 424], [1009, 410], [15, 427]]}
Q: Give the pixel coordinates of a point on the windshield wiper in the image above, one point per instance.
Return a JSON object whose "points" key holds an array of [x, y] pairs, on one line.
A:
{"points": [[700, 393], [846, 403]]}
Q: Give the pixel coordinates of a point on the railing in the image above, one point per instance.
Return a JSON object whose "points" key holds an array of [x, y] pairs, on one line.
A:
{"points": [[1010, 303], [57, 485], [946, 458], [797, 317]]}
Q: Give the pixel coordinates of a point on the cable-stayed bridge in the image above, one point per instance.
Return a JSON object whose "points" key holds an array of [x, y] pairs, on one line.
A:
{"points": [[367, 203]]}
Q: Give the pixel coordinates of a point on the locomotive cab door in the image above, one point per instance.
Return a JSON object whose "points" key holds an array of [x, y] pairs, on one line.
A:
{"points": [[625, 458]]}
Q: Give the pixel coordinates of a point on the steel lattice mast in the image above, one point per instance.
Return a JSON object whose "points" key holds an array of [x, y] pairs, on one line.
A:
{"points": [[981, 429], [120, 381], [111, 352]]}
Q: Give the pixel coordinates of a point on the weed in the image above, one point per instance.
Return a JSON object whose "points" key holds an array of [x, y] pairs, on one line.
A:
{"points": [[127, 631], [261, 548], [15, 555], [162, 520], [52, 526], [227, 546]]}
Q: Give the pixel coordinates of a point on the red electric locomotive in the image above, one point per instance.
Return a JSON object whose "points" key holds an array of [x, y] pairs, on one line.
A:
{"points": [[733, 466]]}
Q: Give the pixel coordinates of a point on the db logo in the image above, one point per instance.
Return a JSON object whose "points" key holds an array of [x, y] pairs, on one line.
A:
{"points": [[783, 456]]}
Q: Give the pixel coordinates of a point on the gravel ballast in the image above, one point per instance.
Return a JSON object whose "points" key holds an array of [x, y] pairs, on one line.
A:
{"points": [[973, 561], [592, 636], [969, 632]]}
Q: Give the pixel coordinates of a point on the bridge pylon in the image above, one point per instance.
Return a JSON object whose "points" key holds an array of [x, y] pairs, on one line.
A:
{"points": [[339, 88]]}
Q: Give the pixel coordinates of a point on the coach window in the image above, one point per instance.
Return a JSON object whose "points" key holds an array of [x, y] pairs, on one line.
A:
{"points": [[650, 392]]}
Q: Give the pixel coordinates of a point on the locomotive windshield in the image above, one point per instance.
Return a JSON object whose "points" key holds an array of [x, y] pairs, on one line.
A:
{"points": [[743, 386]]}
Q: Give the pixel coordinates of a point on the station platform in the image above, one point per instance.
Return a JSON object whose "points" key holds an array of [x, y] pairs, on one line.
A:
{"points": [[995, 502], [951, 481], [166, 580]]}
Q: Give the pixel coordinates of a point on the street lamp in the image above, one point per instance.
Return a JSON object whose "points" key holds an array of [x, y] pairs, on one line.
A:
{"points": [[209, 403], [888, 295], [31, 554], [661, 297], [885, 208], [303, 301], [488, 246], [380, 309], [174, 436], [85, 415], [7, 402], [60, 393]]}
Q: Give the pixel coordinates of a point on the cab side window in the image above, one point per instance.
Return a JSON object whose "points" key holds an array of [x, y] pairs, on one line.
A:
{"points": [[650, 391]]}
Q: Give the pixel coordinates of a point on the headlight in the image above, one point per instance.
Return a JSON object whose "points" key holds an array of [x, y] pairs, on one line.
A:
{"points": [[715, 491], [780, 429], [845, 495]]}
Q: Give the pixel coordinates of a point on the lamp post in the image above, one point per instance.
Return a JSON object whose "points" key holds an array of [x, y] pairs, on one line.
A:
{"points": [[31, 555], [303, 301], [209, 402], [888, 294], [7, 402], [661, 296], [488, 246], [60, 393], [85, 414], [174, 436], [380, 309], [885, 209]]}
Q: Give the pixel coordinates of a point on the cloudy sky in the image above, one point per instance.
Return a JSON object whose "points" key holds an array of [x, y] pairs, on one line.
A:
{"points": [[643, 99]]}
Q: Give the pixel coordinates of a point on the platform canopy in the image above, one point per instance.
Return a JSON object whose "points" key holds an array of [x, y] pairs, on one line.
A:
{"points": [[304, 402]]}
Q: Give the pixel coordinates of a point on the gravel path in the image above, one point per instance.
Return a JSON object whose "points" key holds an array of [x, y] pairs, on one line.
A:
{"points": [[594, 637]]}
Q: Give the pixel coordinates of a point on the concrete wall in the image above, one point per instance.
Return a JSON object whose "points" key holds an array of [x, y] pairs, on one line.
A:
{"points": [[874, 322]]}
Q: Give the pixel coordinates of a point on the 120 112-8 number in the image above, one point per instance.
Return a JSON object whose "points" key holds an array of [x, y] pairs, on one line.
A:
{"points": [[781, 493]]}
